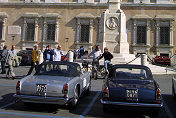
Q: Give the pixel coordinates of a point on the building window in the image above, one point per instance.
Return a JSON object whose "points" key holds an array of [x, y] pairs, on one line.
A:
{"points": [[164, 35], [30, 31], [0, 30], [141, 34], [51, 32], [84, 33]]}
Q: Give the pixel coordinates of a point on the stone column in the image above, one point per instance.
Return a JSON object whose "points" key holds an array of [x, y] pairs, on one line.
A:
{"points": [[90, 30], [24, 29], [44, 30], [171, 33], [134, 32], [57, 31], [148, 33], [3, 28], [157, 33], [36, 29], [78, 30]]}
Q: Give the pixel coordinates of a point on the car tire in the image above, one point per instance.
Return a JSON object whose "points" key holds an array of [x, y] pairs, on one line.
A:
{"points": [[173, 91], [88, 90], [74, 102], [154, 114], [105, 108]]}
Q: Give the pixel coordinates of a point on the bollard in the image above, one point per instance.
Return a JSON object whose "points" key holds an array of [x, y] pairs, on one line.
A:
{"points": [[40, 57], [144, 59], [70, 56]]}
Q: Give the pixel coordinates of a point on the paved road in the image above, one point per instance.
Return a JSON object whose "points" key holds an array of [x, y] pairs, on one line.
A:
{"points": [[88, 106]]}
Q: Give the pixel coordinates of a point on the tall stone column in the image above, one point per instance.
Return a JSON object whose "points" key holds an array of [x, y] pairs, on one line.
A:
{"points": [[148, 33], [157, 33], [57, 31], [134, 32], [36, 29], [4, 20], [90, 30], [44, 30], [171, 33], [78, 30], [24, 29]]}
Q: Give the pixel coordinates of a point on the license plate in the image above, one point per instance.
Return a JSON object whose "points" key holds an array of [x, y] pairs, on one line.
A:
{"points": [[41, 88], [131, 94]]}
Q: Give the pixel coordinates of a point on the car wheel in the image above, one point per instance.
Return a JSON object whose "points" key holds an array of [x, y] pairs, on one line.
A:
{"points": [[105, 108], [88, 90], [74, 102], [173, 91], [154, 114]]}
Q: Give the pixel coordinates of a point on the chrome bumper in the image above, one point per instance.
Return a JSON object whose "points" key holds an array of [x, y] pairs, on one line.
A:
{"points": [[42, 99], [131, 104]]}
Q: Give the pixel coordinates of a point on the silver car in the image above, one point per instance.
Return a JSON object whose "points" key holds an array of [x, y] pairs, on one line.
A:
{"points": [[54, 83]]}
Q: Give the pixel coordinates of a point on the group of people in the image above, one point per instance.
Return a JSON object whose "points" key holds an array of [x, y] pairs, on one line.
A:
{"points": [[48, 55], [97, 55], [8, 57]]}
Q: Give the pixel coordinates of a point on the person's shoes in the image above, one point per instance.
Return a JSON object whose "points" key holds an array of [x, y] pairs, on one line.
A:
{"points": [[7, 77], [13, 77], [3, 72]]}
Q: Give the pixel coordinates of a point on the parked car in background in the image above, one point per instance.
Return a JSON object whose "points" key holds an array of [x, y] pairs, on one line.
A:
{"points": [[131, 87], [25, 57], [162, 60], [54, 83]]}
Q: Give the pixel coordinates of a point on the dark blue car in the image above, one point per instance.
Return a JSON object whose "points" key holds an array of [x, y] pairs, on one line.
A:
{"points": [[131, 87]]}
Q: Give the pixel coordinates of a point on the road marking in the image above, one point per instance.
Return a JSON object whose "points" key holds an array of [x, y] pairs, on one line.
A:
{"points": [[4, 106], [32, 115], [90, 105], [7, 85], [167, 110]]}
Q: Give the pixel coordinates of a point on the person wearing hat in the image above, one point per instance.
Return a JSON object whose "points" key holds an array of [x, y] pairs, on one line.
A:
{"points": [[35, 59]]}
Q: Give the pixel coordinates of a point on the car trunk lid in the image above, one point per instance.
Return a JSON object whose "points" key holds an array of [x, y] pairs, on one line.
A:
{"points": [[132, 90], [44, 85]]}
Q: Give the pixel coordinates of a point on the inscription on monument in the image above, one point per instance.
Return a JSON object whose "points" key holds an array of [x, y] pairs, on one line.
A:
{"points": [[112, 23], [14, 30]]}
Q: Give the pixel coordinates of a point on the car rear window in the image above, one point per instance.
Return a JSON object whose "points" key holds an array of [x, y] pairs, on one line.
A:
{"points": [[130, 73], [54, 69]]}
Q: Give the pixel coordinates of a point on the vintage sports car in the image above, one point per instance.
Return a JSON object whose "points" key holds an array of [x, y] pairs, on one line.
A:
{"points": [[55, 83], [162, 60], [131, 87]]}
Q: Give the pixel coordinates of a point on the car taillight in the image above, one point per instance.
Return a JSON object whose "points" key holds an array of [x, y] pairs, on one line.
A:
{"points": [[158, 95], [65, 91], [18, 88], [106, 91]]}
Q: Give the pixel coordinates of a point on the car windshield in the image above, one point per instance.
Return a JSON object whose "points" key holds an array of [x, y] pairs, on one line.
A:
{"points": [[55, 70], [130, 73]]}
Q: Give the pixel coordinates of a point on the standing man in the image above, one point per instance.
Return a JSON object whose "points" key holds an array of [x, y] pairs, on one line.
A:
{"points": [[10, 59], [35, 59], [4, 59], [58, 53], [48, 54], [107, 58], [14, 55], [96, 54], [81, 52]]}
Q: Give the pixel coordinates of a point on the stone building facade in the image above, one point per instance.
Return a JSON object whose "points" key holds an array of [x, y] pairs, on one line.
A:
{"points": [[73, 23]]}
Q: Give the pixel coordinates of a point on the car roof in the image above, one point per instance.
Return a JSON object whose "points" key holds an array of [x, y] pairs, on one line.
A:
{"points": [[130, 66]]}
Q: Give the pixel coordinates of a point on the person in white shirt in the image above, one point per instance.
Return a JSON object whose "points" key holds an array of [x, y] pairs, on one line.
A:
{"points": [[58, 53], [14, 55], [96, 54]]}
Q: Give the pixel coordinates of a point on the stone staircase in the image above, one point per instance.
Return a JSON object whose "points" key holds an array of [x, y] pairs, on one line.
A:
{"points": [[125, 58]]}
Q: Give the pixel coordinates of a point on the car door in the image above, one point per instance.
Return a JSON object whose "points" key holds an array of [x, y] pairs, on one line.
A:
{"points": [[84, 77]]}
